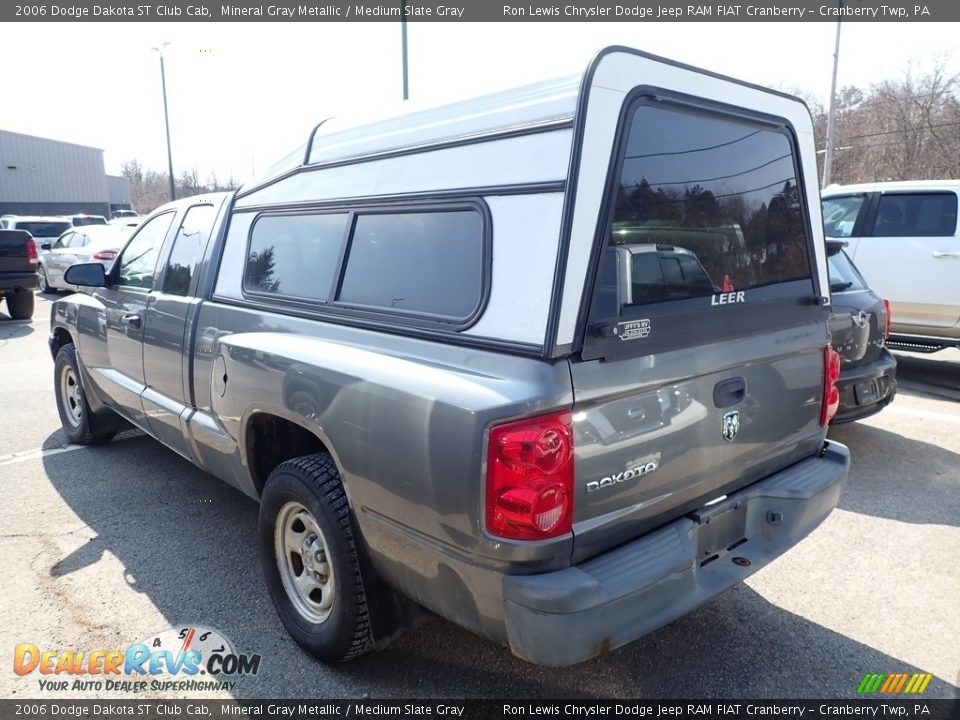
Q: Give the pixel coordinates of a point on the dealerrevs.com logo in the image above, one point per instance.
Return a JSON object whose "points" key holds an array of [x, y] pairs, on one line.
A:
{"points": [[178, 659]]}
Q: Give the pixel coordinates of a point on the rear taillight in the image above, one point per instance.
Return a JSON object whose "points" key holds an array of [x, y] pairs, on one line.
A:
{"points": [[105, 255], [32, 256], [888, 318], [530, 478], [831, 395]]}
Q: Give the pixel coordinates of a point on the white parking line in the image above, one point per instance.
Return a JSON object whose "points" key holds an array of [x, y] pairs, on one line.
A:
{"points": [[923, 414], [34, 454]]}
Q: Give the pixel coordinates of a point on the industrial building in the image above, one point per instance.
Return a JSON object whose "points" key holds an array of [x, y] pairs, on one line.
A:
{"points": [[39, 176]]}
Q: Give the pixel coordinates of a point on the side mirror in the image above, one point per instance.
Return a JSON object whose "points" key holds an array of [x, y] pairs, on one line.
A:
{"points": [[45, 246], [86, 274]]}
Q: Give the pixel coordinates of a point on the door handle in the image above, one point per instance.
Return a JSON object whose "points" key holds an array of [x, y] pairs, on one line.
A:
{"points": [[729, 392], [940, 254], [131, 320]]}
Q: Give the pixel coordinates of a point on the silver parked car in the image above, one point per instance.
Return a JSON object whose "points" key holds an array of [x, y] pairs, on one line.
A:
{"points": [[89, 243]]}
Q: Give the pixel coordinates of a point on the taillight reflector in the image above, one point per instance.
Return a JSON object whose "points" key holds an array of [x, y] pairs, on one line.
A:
{"points": [[530, 478], [888, 318], [105, 255], [831, 395], [32, 256]]}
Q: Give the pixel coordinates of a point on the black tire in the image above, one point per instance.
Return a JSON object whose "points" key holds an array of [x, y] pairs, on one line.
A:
{"points": [[20, 305], [79, 423], [42, 282], [312, 483]]}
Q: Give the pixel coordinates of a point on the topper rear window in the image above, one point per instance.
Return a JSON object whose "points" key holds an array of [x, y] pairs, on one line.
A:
{"points": [[707, 208]]}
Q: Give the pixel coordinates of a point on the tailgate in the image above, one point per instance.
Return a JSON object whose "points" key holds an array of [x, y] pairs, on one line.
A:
{"points": [[657, 437], [13, 252]]}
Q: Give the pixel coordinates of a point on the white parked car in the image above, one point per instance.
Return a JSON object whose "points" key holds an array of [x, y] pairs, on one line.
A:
{"points": [[90, 243], [83, 220], [43, 228], [127, 221], [903, 237]]}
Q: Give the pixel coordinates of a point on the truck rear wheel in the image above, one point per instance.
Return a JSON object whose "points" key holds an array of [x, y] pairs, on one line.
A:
{"points": [[79, 422], [311, 560], [20, 305]]}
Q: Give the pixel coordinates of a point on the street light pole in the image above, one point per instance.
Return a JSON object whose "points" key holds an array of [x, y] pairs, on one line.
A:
{"points": [[403, 51], [166, 121], [832, 112]]}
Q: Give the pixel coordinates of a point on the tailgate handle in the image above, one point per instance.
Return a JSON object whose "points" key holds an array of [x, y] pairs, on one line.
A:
{"points": [[729, 392]]}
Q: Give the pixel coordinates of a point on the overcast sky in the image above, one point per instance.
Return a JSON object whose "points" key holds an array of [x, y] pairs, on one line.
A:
{"points": [[243, 94]]}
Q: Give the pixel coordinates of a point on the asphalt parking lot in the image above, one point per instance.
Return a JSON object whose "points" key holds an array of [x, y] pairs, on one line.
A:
{"points": [[104, 546]]}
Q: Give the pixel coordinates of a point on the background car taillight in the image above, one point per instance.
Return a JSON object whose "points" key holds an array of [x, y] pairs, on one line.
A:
{"points": [[32, 256], [105, 255], [888, 318], [831, 395], [530, 478]]}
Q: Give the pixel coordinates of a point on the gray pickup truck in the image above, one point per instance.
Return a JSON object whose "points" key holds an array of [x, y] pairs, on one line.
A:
{"points": [[18, 272], [454, 387]]}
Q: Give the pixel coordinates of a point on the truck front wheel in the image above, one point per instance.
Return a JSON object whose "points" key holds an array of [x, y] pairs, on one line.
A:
{"points": [[79, 423], [311, 559]]}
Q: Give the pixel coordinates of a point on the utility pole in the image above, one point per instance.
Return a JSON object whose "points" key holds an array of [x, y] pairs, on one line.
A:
{"points": [[166, 121], [403, 50], [832, 112]]}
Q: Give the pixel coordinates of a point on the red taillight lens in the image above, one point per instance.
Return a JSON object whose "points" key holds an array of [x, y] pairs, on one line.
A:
{"points": [[32, 256], [888, 319], [530, 478], [105, 255], [831, 395]]}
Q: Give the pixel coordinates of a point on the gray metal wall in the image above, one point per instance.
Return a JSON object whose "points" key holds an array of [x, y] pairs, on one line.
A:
{"points": [[38, 175], [119, 189]]}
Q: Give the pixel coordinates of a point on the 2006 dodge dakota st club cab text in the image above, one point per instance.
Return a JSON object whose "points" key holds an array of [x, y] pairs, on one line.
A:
{"points": [[552, 364]]}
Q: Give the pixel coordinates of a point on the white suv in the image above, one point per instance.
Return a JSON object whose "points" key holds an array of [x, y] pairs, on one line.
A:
{"points": [[903, 238]]}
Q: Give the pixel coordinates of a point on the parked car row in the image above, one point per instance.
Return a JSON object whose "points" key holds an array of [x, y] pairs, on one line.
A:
{"points": [[90, 243], [62, 241]]}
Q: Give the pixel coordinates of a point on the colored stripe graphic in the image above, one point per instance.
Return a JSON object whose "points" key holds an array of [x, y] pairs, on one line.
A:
{"points": [[894, 684]]}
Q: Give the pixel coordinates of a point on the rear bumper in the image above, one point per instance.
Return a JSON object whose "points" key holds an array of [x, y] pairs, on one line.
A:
{"points": [[867, 389], [14, 281], [571, 615]]}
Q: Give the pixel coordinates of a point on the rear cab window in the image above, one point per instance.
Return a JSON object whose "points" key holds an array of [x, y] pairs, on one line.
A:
{"points": [[44, 229], [707, 233]]}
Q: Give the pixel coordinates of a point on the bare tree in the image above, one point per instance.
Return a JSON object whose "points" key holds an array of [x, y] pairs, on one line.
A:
{"points": [[149, 189], [906, 129]]}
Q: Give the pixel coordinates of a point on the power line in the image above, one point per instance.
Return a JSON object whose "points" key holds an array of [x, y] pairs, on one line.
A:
{"points": [[721, 177], [715, 197], [694, 150], [886, 144], [872, 101], [894, 132]]}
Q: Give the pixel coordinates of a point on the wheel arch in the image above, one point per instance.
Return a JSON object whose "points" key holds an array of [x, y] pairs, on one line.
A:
{"points": [[271, 435], [59, 337]]}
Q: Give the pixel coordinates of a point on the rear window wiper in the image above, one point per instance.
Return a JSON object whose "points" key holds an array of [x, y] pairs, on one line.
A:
{"points": [[840, 286]]}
